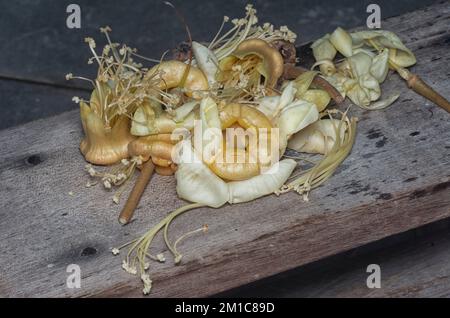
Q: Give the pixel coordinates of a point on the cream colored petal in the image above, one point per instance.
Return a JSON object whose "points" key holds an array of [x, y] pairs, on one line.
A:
{"points": [[288, 95], [383, 103], [297, 116], [196, 182], [263, 184], [399, 53], [342, 41], [303, 82], [360, 64], [318, 97], [380, 66], [268, 105], [317, 138], [323, 49], [184, 110], [141, 122], [206, 60], [326, 67]]}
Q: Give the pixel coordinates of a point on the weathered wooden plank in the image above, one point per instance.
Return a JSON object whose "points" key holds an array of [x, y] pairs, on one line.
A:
{"points": [[39, 46], [395, 179], [417, 265]]}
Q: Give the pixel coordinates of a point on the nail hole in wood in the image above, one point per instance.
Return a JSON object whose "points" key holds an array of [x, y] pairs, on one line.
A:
{"points": [[88, 251], [33, 160]]}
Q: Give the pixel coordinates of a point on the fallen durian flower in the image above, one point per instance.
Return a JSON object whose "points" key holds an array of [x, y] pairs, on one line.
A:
{"points": [[145, 122], [104, 145], [244, 29], [119, 90], [398, 52], [359, 76], [392, 53], [229, 162], [305, 181], [317, 138], [171, 74], [401, 57], [235, 82], [272, 61], [196, 183]]}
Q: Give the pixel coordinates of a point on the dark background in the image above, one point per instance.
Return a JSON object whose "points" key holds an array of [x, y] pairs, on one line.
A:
{"points": [[37, 50], [36, 46]]}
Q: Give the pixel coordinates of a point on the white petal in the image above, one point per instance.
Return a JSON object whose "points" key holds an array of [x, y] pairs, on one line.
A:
{"points": [[342, 41], [323, 49], [318, 137], [297, 116], [268, 105], [263, 184], [360, 64], [380, 66], [287, 96], [197, 183], [184, 110]]}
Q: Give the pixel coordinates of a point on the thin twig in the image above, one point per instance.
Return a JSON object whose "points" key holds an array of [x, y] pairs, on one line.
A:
{"points": [[135, 194]]}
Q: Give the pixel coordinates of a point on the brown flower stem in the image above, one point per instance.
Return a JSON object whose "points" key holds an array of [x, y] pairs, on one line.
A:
{"points": [[291, 72], [135, 194], [420, 87], [423, 89]]}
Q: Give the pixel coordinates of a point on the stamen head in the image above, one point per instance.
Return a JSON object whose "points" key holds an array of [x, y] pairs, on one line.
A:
{"points": [[105, 29], [90, 41]]}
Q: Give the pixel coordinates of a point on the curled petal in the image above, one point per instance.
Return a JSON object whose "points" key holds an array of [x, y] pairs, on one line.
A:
{"points": [[318, 97], [196, 182], [383, 103], [263, 184], [184, 110], [268, 105], [360, 64], [380, 66], [398, 53], [303, 82], [323, 49], [206, 60], [318, 138], [342, 41], [297, 116]]}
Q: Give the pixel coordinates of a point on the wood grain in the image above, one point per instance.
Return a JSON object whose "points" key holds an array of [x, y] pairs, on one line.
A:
{"points": [[415, 263], [396, 178]]}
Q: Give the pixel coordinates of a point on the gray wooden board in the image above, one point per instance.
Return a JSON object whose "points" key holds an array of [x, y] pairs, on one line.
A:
{"points": [[416, 264], [395, 179]]}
